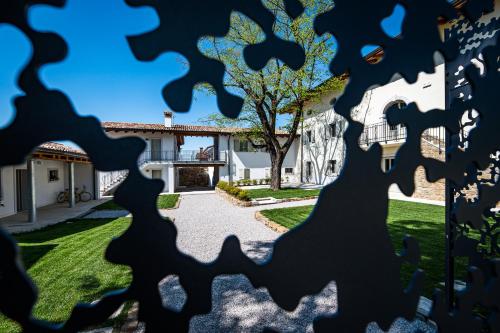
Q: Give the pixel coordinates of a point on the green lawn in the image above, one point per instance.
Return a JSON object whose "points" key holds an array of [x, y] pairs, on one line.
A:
{"points": [[66, 262], [284, 193], [424, 222], [165, 201]]}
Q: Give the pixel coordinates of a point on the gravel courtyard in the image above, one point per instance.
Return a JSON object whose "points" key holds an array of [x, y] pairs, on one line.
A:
{"points": [[203, 222]]}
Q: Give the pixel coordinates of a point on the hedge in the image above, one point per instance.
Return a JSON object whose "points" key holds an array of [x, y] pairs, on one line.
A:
{"points": [[233, 191]]}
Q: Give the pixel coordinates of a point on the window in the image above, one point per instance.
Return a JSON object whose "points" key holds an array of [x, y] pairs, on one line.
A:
{"points": [[288, 171], [308, 169], [246, 174], [399, 105], [53, 175], [309, 137], [244, 145], [388, 164], [333, 129], [331, 168], [267, 172]]}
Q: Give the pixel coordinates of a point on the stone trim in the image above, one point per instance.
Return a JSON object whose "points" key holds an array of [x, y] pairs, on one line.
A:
{"points": [[270, 224]]}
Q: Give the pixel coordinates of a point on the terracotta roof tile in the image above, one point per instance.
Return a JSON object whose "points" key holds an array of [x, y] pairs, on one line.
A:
{"points": [[124, 126], [60, 148]]}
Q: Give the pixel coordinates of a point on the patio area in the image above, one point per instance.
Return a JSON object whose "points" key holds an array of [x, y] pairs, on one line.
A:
{"points": [[47, 215]]}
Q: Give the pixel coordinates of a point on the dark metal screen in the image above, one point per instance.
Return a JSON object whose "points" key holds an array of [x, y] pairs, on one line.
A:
{"points": [[346, 238]]}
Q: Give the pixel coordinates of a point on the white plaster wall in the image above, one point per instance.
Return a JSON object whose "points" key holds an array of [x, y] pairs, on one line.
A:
{"points": [[164, 167], [428, 92], [224, 142], [84, 177], [259, 163], [46, 192], [167, 140]]}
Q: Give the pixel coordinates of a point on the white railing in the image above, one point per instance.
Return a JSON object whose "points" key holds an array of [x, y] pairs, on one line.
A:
{"points": [[109, 179]]}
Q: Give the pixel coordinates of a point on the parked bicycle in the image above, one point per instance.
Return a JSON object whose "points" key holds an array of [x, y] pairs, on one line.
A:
{"points": [[82, 196]]}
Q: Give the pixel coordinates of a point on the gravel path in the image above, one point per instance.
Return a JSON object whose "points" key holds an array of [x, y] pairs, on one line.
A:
{"points": [[203, 222]]}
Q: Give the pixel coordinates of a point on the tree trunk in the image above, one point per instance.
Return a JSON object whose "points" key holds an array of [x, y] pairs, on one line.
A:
{"points": [[276, 163]]}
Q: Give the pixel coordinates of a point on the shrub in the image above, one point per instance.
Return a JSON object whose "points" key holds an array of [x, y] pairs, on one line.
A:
{"points": [[268, 180], [233, 191], [222, 185], [243, 195], [262, 182], [254, 182]]}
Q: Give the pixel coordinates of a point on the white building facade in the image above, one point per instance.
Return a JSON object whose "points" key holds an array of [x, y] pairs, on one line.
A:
{"points": [[323, 152], [229, 158], [38, 182]]}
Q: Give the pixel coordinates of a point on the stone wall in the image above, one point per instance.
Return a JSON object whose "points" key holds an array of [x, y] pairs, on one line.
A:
{"points": [[424, 189]]}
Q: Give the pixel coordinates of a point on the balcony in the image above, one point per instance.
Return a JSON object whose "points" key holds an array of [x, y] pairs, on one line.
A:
{"points": [[385, 134], [382, 133], [188, 157]]}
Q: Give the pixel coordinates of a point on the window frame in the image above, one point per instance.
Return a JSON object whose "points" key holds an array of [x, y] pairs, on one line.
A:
{"points": [[331, 168], [50, 179], [288, 173]]}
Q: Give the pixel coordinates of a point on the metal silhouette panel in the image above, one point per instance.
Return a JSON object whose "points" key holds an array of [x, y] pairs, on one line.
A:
{"points": [[346, 238]]}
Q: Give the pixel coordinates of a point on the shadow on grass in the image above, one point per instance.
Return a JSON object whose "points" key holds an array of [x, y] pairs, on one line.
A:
{"points": [[32, 253], [63, 229]]}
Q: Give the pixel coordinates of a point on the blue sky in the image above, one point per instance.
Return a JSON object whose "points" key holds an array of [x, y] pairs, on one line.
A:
{"points": [[100, 74]]}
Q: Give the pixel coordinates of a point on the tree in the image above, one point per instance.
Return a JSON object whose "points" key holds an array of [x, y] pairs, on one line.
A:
{"points": [[276, 94]]}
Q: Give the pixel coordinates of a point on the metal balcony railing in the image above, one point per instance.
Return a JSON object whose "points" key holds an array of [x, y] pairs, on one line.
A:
{"points": [[193, 156], [384, 133]]}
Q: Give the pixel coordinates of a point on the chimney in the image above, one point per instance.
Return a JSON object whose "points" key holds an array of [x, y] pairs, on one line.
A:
{"points": [[168, 118]]}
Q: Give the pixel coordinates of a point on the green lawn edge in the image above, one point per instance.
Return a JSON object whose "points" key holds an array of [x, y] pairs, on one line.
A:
{"points": [[165, 201]]}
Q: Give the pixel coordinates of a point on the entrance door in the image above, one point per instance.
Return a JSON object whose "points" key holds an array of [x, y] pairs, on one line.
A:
{"points": [[22, 191], [156, 174], [156, 149]]}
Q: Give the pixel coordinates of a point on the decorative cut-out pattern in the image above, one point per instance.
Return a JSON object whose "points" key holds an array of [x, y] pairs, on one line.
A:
{"points": [[346, 238]]}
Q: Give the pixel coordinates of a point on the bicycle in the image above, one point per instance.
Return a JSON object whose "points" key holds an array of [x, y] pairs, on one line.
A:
{"points": [[83, 196]]}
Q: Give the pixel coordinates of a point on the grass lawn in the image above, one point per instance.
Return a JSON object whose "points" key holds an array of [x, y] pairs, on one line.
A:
{"points": [[66, 262], [284, 193], [165, 201], [424, 222]]}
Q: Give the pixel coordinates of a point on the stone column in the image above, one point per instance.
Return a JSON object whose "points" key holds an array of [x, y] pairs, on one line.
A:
{"points": [[31, 191], [71, 195]]}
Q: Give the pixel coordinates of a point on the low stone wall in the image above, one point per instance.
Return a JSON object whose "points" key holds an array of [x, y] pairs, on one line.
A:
{"points": [[232, 199], [423, 188]]}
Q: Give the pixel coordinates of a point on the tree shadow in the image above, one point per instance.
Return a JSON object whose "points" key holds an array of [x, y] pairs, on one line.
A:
{"points": [[259, 251], [31, 254], [59, 230], [88, 282]]}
